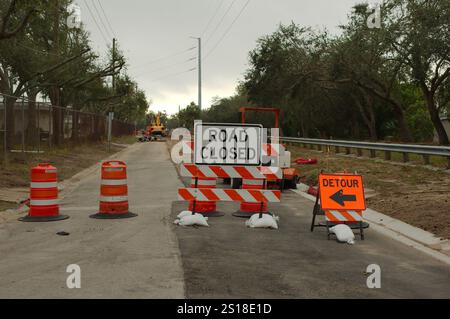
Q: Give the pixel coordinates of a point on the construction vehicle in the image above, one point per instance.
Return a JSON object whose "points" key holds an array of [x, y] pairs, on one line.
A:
{"points": [[290, 175], [156, 131]]}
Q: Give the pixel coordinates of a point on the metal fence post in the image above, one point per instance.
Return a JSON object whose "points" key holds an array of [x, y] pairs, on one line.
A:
{"points": [[110, 118], [38, 127], [5, 148], [23, 126]]}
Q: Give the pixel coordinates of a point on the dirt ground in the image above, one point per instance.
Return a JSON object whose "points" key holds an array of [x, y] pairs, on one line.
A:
{"points": [[69, 160], [416, 195]]}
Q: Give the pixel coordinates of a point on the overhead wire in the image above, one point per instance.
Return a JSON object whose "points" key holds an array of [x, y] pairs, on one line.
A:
{"points": [[100, 18], [107, 19], [172, 75], [220, 21], [212, 18], [166, 66], [95, 21], [227, 30], [177, 53]]}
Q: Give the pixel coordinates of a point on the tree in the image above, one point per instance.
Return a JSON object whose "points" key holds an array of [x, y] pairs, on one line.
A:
{"points": [[420, 37], [12, 23]]}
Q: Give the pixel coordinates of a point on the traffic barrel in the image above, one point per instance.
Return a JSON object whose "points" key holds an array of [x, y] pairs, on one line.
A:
{"points": [[113, 192], [44, 205], [248, 209], [206, 208]]}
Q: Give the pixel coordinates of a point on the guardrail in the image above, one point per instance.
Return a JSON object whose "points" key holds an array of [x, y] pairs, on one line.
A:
{"points": [[425, 150]]}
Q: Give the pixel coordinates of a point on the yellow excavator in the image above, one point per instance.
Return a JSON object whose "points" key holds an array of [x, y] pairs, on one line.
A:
{"points": [[156, 130]]}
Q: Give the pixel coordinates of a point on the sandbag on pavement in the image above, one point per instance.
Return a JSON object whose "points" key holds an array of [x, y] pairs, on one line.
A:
{"points": [[265, 221], [343, 233], [185, 218]]}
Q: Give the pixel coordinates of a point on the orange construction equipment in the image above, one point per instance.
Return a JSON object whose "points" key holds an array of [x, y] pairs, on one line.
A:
{"points": [[206, 208], [114, 192], [290, 175], [44, 205], [247, 209]]}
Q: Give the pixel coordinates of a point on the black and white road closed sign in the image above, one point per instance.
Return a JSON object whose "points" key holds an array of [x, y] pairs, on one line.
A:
{"points": [[227, 144]]}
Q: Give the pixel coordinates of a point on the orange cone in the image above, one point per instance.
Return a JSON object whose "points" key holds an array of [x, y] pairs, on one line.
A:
{"points": [[113, 192], [44, 205]]}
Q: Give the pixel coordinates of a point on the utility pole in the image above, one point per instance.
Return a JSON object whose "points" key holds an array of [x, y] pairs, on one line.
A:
{"points": [[199, 60], [114, 63]]}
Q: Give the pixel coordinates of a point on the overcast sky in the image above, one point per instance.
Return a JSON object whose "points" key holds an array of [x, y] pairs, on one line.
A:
{"points": [[154, 35]]}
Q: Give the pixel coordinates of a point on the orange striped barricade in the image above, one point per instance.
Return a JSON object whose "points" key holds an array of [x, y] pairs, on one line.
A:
{"points": [[340, 198], [113, 192], [228, 171], [44, 206], [233, 195]]}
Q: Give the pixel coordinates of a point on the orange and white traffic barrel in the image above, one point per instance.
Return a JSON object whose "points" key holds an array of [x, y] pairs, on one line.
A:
{"points": [[248, 209], [44, 206], [206, 208], [113, 191]]}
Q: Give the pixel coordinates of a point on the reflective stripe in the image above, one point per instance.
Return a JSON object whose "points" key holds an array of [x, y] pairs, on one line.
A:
{"points": [[113, 199], [204, 182], [50, 170], [43, 202], [253, 182], [43, 184], [114, 182], [113, 169]]}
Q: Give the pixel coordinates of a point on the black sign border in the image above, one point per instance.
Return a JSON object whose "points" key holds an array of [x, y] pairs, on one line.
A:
{"points": [[230, 125]]}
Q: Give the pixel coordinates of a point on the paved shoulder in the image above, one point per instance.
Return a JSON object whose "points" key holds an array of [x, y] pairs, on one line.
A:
{"points": [[128, 258]]}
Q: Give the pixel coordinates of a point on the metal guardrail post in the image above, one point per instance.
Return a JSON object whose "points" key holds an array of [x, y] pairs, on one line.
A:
{"points": [[360, 152], [387, 155], [426, 159], [405, 157]]}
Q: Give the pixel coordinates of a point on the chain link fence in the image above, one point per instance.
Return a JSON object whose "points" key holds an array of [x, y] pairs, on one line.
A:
{"points": [[33, 127]]}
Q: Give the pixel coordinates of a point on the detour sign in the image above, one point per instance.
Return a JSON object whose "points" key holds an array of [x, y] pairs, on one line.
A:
{"points": [[341, 192]]}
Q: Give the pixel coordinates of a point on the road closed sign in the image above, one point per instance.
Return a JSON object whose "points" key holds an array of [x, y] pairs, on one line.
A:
{"points": [[227, 144], [341, 192]]}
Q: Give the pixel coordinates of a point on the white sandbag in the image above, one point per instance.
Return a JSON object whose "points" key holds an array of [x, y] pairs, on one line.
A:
{"points": [[265, 221], [343, 233], [186, 213], [190, 220]]}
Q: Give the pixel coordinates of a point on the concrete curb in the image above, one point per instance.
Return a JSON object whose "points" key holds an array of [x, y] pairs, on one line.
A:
{"points": [[420, 239]]}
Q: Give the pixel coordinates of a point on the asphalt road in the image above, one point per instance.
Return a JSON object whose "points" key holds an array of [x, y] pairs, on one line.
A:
{"points": [[228, 260], [149, 257]]}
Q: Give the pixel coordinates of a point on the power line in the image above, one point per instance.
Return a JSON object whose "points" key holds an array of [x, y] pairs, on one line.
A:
{"points": [[107, 20], [107, 32], [166, 66], [172, 75], [227, 30], [220, 21], [212, 18], [164, 57], [95, 21]]}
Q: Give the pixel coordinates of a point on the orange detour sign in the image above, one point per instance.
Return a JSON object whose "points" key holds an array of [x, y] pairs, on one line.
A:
{"points": [[341, 192], [113, 192], [44, 205]]}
